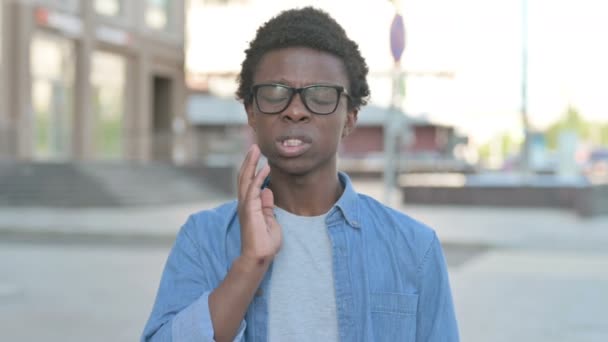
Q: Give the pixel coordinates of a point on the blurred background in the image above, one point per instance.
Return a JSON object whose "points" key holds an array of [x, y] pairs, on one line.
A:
{"points": [[488, 121]]}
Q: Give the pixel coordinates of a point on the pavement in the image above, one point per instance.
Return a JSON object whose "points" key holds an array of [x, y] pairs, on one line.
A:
{"points": [[498, 227], [535, 274]]}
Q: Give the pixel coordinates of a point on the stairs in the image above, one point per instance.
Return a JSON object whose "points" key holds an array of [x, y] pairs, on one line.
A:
{"points": [[105, 184]]}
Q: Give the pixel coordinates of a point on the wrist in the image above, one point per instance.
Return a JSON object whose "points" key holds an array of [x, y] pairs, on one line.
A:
{"points": [[252, 264]]}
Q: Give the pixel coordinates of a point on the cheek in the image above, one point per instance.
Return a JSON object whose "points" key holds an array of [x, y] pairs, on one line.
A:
{"points": [[333, 134]]}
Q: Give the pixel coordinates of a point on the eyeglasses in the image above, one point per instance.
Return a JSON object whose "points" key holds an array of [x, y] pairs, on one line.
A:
{"points": [[319, 99]]}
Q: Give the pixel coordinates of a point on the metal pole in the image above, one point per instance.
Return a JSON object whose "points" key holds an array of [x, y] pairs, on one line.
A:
{"points": [[525, 151], [390, 124]]}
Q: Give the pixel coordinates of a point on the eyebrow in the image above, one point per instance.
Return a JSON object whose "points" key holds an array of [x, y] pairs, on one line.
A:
{"points": [[285, 82]]}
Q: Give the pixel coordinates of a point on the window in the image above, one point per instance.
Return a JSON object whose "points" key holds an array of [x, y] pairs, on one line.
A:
{"points": [[52, 63], [70, 6], [1, 31], [108, 80], [109, 8], [157, 14], [222, 2]]}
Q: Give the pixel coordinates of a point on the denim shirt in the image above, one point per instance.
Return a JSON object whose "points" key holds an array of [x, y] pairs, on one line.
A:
{"points": [[390, 276]]}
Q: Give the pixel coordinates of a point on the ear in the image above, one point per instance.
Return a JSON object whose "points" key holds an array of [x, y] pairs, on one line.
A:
{"points": [[250, 115], [351, 121]]}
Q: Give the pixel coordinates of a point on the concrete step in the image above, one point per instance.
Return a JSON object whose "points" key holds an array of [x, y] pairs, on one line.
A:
{"points": [[98, 184]]}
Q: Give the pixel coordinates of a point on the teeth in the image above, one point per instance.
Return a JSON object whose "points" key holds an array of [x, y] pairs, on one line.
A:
{"points": [[292, 142]]}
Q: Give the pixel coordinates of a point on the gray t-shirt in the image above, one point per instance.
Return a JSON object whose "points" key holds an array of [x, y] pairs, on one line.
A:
{"points": [[302, 300]]}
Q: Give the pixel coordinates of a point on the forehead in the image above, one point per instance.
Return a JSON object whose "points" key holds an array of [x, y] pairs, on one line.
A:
{"points": [[300, 66]]}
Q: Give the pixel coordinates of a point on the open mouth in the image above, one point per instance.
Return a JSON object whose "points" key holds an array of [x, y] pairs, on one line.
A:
{"points": [[293, 146], [292, 142]]}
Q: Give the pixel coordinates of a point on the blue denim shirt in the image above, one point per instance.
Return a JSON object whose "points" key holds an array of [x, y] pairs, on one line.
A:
{"points": [[390, 277]]}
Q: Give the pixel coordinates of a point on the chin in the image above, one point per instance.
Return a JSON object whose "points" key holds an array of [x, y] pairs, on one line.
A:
{"points": [[292, 167], [301, 166]]}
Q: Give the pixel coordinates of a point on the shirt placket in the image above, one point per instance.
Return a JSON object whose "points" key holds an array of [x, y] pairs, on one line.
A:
{"points": [[342, 281]]}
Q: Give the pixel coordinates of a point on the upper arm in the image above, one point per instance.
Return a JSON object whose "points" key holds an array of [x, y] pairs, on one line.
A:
{"points": [[436, 317], [183, 290]]}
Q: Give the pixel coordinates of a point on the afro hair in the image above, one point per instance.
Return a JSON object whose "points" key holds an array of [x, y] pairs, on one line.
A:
{"points": [[311, 28]]}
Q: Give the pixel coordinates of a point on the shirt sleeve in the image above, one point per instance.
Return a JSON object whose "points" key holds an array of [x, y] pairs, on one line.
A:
{"points": [[181, 310], [436, 319]]}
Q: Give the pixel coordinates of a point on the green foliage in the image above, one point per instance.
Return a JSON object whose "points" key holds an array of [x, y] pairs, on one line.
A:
{"points": [[506, 144], [604, 135], [592, 132], [484, 151]]}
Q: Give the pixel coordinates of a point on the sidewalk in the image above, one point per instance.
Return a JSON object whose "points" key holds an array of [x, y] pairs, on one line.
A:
{"points": [[500, 227], [543, 277]]}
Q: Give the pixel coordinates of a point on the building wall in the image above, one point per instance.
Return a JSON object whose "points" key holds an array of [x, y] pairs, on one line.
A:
{"points": [[86, 37], [362, 141], [221, 145], [433, 139]]}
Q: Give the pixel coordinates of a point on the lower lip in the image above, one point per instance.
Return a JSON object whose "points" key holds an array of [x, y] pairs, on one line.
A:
{"points": [[292, 151]]}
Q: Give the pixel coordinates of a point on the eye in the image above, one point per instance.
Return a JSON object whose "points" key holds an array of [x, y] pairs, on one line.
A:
{"points": [[322, 100], [322, 95], [273, 94]]}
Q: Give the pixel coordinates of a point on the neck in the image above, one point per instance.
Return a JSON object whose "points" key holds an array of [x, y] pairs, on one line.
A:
{"points": [[306, 195]]}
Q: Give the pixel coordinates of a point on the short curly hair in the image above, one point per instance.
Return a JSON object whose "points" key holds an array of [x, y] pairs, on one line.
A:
{"points": [[312, 28]]}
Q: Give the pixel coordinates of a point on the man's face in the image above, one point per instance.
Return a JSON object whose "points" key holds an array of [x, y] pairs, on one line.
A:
{"points": [[295, 140]]}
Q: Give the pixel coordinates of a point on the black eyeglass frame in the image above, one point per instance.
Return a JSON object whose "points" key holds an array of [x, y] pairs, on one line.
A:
{"points": [[339, 89]]}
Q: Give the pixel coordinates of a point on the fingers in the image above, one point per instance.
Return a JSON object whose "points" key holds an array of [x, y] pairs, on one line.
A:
{"points": [[255, 186], [267, 203], [271, 222], [247, 170]]}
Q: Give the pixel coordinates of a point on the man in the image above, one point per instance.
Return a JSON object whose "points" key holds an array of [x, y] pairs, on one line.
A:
{"points": [[301, 256]]}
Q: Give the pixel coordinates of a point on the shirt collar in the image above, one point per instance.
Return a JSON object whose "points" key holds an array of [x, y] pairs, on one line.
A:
{"points": [[346, 205]]}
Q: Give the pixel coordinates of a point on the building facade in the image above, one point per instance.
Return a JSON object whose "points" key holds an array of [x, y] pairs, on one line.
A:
{"points": [[220, 136], [92, 80]]}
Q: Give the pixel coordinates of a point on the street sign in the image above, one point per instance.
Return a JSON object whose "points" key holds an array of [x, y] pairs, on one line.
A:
{"points": [[397, 37]]}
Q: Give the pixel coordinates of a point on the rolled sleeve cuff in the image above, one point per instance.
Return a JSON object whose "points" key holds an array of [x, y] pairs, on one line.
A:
{"points": [[194, 323]]}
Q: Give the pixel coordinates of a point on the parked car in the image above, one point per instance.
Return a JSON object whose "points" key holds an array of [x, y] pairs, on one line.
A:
{"points": [[597, 162]]}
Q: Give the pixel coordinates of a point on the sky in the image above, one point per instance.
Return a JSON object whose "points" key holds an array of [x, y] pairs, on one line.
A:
{"points": [[479, 41]]}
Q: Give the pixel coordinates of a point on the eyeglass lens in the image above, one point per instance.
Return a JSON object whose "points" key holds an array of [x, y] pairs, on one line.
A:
{"points": [[318, 99]]}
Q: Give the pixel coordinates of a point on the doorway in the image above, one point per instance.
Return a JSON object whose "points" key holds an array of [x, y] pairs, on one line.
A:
{"points": [[162, 136]]}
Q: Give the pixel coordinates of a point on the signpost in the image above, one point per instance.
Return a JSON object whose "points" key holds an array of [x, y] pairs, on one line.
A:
{"points": [[397, 37], [393, 121]]}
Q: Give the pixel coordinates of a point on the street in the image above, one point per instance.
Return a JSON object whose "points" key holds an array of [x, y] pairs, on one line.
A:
{"points": [[90, 291], [84, 291], [69, 292], [517, 274]]}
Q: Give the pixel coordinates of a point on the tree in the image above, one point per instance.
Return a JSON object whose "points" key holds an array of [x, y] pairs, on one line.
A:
{"points": [[570, 121]]}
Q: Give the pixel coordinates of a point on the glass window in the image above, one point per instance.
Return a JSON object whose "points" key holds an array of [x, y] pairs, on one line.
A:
{"points": [[110, 8], [52, 68], [108, 78], [158, 13], [1, 36], [220, 2], [71, 6]]}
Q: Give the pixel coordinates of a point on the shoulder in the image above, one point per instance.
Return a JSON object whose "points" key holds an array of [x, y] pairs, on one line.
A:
{"points": [[394, 226], [220, 213], [210, 223], [394, 217]]}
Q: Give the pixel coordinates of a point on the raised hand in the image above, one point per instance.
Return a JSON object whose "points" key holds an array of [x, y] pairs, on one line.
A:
{"points": [[260, 232]]}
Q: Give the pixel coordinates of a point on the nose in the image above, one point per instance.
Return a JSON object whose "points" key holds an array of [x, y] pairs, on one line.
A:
{"points": [[296, 111]]}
